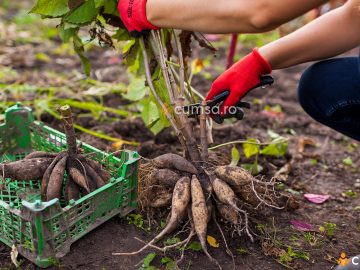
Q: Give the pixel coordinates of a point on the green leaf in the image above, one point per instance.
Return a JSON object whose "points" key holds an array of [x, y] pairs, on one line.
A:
{"points": [[136, 219], [110, 7], [136, 90], [79, 49], [99, 3], [314, 161], [242, 251], [235, 156], [134, 58], [330, 228], [171, 241], [148, 259], [75, 3], [83, 14], [350, 193], [251, 148], [162, 121], [348, 161], [273, 135], [68, 26], [166, 260], [277, 148], [160, 87], [170, 264], [50, 8], [254, 169], [160, 124], [276, 108], [151, 267], [195, 246], [122, 35], [66, 34], [150, 112], [128, 46], [162, 223]]}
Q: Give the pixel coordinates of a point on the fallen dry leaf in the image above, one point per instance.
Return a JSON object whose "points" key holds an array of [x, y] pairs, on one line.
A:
{"points": [[273, 114], [270, 250], [303, 142], [212, 241], [316, 198], [14, 254], [302, 226], [117, 145], [283, 174], [197, 65]]}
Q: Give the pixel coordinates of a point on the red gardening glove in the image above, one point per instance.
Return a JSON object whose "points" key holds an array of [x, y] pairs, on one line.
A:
{"points": [[133, 15], [240, 79]]}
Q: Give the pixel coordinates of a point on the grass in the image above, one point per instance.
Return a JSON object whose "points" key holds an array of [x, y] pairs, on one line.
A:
{"points": [[313, 239]]}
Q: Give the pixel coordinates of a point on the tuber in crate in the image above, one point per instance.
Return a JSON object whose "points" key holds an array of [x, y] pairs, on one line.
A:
{"points": [[44, 231]]}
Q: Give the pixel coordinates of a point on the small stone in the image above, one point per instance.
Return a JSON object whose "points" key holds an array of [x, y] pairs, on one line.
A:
{"points": [[357, 185], [340, 199]]}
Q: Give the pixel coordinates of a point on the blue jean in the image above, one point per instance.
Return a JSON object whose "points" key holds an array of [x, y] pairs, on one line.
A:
{"points": [[329, 91]]}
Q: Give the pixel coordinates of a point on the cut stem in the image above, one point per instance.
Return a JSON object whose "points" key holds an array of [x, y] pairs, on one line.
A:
{"points": [[203, 132], [66, 117]]}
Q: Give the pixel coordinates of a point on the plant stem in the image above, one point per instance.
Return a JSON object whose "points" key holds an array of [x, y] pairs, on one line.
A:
{"points": [[152, 88], [154, 42], [182, 67], [191, 90], [247, 142], [156, 46], [209, 125], [185, 125], [173, 64], [163, 57], [203, 133]]}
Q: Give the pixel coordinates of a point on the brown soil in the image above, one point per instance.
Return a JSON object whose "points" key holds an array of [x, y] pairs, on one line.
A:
{"points": [[329, 176]]}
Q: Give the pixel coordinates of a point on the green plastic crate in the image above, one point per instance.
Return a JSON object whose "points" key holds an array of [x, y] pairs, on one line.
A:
{"points": [[44, 231]]}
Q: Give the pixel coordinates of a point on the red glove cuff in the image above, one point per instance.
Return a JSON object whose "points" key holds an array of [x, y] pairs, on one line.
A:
{"points": [[265, 65], [133, 15]]}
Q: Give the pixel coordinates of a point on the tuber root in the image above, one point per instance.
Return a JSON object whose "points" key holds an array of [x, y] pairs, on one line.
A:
{"points": [[72, 192], [56, 179], [40, 154], [23, 170], [166, 177], [180, 201], [79, 178], [172, 161]]}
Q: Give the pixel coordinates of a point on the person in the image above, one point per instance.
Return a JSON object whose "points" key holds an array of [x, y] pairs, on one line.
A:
{"points": [[329, 90], [212, 16]]}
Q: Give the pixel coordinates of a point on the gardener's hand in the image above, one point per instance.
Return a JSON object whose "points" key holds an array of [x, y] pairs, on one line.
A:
{"points": [[133, 15], [240, 79]]}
